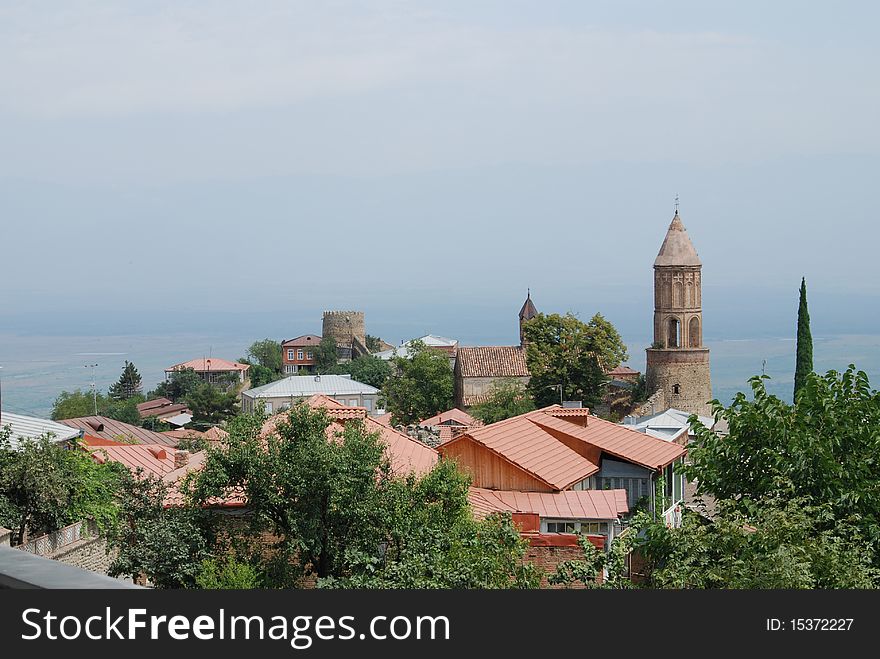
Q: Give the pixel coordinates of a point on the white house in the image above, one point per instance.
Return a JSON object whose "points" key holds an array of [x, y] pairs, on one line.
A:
{"points": [[284, 393]]}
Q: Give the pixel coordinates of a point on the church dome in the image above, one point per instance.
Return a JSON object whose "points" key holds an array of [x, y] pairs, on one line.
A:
{"points": [[677, 248]]}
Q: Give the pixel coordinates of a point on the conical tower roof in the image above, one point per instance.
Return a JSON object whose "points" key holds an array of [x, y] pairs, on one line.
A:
{"points": [[528, 310], [677, 248]]}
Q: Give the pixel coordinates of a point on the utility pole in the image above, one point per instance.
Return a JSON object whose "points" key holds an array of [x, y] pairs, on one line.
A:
{"points": [[94, 387]]}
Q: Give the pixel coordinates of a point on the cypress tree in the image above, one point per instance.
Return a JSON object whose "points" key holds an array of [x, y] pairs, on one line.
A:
{"points": [[128, 385], [804, 364]]}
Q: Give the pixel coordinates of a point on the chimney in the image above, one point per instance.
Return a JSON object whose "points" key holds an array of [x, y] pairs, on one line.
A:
{"points": [[181, 458]]}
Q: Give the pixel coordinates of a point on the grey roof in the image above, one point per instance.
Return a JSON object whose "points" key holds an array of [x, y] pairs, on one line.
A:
{"points": [[31, 427], [297, 386], [669, 424], [429, 340], [677, 248]]}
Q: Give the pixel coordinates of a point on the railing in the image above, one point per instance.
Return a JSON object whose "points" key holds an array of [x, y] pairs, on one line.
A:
{"points": [[45, 545]]}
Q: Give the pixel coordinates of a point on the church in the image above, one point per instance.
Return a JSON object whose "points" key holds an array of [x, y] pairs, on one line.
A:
{"points": [[677, 362]]}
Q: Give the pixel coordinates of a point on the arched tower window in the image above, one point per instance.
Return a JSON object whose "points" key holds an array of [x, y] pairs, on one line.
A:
{"points": [[689, 295], [694, 333], [676, 294], [676, 389], [673, 338]]}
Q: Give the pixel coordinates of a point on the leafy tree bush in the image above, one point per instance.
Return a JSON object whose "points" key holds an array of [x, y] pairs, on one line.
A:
{"points": [[562, 350], [419, 386], [178, 386], [227, 574], [211, 405], [326, 355], [506, 399], [165, 545], [340, 513], [45, 486], [266, 353], [367, 369]]}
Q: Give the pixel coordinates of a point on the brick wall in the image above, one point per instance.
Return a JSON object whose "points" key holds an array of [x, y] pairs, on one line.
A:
{"points": [[547, 550]]}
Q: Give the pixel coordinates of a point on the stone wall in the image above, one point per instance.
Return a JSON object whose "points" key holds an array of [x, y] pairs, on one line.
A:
{"points": [[336, 325], [5, 537], [88, 554], [684, 370], [470, 391]]}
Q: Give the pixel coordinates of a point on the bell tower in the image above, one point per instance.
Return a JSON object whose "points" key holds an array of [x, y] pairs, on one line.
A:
{"points": [[677, 363]]}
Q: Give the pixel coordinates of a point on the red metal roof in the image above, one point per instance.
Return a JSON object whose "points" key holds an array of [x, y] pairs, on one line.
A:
{"points": [[107, 428], [154, 459], [615, 439], [306, 340], [203, 364], [453, 415], [492, 362], [570, 504], [531, 448], [405, 453], [161, 407]]}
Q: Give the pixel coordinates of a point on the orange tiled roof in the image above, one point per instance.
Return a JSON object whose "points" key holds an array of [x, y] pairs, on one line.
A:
{"points": [[531, 448], [570, 504], [492, 362]]}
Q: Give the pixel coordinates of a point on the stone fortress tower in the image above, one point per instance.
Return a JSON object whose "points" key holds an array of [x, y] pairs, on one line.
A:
{"points": [[349, 330], [677, 363]]}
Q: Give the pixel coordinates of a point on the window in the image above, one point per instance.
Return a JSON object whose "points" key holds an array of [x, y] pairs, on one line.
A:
{"points": [[299, 354], [676, 389], [368, 403], [594, 528], [269, 406], [290, 355], [311, 354], [560, 527], [353, 402]]}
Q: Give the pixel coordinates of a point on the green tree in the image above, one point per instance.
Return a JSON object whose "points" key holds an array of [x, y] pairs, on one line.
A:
{"points": [[128, 385], [211, 405], [565, 352], [45, 486], [178, 385], [165, 545], [783, 544], [340, 513], [266, 353], [804, 364], [367, 369], [77, 403], [419, 386], [326, 355], [507, 398], [227, 574], [374, 343], [260, 375]]}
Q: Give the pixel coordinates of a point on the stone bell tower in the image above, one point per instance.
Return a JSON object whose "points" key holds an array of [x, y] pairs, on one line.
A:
{"points": [[677, 363]]}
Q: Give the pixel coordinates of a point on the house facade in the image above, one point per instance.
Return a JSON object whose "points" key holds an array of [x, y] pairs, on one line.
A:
{"points": [[557, 449], [298, 355], [282, 394], [217, 371]]}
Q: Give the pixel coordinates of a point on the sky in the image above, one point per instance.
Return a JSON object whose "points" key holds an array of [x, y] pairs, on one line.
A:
{"points": [[187, 165]]}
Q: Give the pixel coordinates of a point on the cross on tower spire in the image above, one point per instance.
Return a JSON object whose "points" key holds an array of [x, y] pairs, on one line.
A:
{"points": [[676, 203]]}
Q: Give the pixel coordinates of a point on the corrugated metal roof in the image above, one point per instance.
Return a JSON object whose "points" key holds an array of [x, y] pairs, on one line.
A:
{"points": [[154, 459], [107, 428], [440, 342], [304, 341], [203, 364], [534, 450], [492, 362], [303, 386], [570, 504], [30, 427], [455, 414], [162, 408], [617, 440]]}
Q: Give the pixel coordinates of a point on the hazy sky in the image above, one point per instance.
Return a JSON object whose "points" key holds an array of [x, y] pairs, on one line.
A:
{"points": [[428, 161]]}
